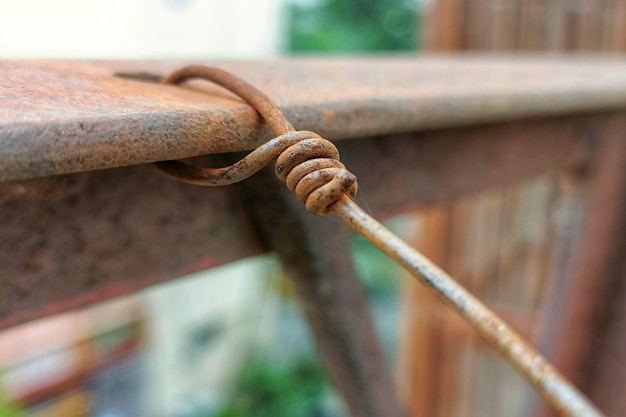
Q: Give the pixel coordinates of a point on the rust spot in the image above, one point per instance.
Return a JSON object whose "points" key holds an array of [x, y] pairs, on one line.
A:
{"points": [[329, 115]]}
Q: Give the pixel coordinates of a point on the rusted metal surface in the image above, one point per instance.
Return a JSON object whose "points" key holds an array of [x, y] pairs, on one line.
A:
{"points": [[306, 162], [259, 101], [73, 226], [403, 172], [71, 240], [61, 117]]}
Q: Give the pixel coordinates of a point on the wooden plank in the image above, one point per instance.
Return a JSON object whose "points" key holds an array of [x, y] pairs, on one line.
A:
{"points": [[571, 322], [422, 339]]}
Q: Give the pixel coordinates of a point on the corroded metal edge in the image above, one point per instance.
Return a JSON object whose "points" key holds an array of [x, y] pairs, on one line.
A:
{"points": [[62, 117]]}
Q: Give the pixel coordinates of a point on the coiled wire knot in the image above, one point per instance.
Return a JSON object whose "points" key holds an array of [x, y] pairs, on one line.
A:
{"points": [[312, 170], [306, 162]]}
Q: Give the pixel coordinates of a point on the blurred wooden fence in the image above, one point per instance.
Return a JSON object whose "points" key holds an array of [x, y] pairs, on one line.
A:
{"points": [[532, 25], [504, 245]]}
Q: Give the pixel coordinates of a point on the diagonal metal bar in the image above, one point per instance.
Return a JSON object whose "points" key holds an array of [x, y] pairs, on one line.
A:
{"points": [[317, 259]]}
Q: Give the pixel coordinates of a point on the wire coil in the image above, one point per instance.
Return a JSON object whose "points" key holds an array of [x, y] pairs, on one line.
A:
{"points": [[312, 170], [306, 162]]}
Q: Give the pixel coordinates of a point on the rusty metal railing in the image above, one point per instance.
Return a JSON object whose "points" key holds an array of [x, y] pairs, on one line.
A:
{"points": [[105, 143]]}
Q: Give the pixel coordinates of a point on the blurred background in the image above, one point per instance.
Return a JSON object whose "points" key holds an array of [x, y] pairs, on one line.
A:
{"points": [[170, 352]]}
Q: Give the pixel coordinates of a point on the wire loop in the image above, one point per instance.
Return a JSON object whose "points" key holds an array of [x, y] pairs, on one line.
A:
{"points": [[308, 163]]}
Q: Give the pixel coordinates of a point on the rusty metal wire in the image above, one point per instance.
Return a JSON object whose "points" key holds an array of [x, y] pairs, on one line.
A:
{"points": [[311, 169]]}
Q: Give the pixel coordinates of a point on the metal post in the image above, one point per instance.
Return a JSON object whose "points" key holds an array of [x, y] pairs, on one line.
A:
{"points": [[315, 255]]}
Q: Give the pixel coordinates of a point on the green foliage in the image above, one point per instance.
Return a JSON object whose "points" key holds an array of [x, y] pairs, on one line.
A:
{"points": [[264, 390], [8, 408], [352, 25]]}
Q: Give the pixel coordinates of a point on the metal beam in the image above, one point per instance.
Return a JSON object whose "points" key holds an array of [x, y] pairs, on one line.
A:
{"points": [[63, 117], [73, 239]]}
